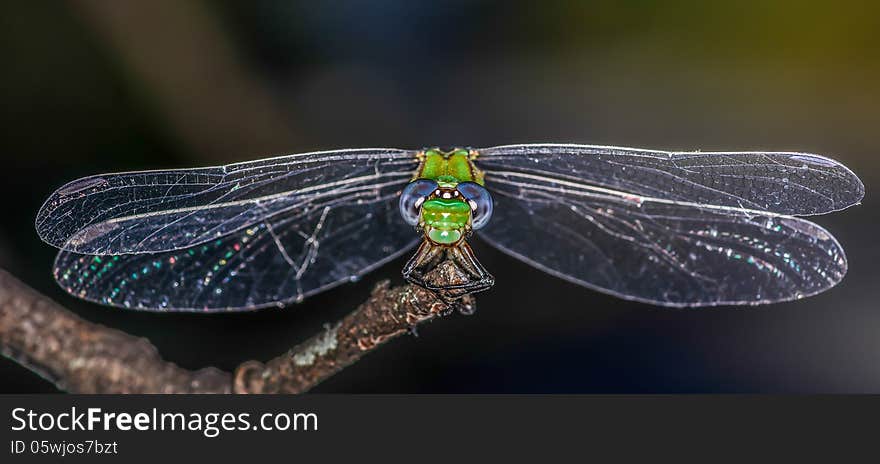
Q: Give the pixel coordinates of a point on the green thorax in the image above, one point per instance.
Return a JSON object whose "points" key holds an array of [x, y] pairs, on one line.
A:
{"points": [[447, 220], [449, 168]]}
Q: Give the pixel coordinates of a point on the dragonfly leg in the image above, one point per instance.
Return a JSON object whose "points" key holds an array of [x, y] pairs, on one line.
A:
{"points": [[450, 271], [427, 257]]}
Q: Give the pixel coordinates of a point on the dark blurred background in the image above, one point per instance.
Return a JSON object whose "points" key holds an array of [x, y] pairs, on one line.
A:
{"points": [[96, 86]]}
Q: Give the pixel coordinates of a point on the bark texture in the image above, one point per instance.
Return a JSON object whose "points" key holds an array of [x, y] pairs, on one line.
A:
{"points": [[82, 357]]}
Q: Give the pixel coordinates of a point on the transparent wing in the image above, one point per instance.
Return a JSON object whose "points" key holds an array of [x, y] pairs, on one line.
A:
{"points": [[276, 261], [155, 211], [784, 183], [695, 243]]}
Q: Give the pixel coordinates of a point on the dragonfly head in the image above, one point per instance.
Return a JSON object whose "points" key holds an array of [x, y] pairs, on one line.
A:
{"points": [[444, 209], [446, 212]]}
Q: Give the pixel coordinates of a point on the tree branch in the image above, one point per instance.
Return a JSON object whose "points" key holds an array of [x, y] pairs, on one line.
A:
{"points": [[81, 357]]}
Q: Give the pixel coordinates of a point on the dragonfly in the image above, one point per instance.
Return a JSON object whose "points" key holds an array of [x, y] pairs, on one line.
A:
{"points": [[677, 229]]}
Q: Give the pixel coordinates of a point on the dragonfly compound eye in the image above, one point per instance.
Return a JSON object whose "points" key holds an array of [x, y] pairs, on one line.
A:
{"points": [[412, 197], [480, 201]]}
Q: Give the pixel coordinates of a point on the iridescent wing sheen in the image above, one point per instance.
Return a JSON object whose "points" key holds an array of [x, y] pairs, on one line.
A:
{"points": [[339, 223], [271, 263], [155, 211], [673, 229]]}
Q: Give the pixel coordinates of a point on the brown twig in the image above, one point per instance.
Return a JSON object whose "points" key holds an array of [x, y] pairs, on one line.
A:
{"points": [[82, 357]]}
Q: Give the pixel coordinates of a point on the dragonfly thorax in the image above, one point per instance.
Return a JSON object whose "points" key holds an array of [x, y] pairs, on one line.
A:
{"points": [[449, 167]]}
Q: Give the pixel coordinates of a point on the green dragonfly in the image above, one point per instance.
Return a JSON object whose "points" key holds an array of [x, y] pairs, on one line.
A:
{"points": [[668, 228]]}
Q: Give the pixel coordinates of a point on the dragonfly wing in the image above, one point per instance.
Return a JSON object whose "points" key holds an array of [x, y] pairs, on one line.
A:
{"points": [[666, 250], [279, 260], [156, 211], [789, 183]]}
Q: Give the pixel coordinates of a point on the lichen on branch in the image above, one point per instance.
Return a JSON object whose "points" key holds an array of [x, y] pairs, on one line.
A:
{"points": [[82, 357]]}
